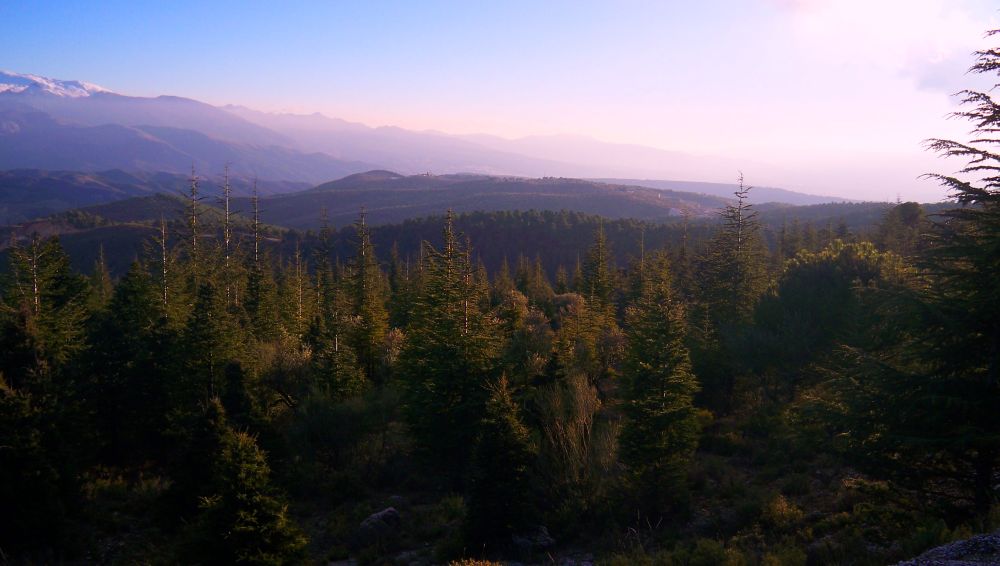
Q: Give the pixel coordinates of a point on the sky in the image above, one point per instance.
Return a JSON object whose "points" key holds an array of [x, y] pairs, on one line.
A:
{"points": [[815, 95]]}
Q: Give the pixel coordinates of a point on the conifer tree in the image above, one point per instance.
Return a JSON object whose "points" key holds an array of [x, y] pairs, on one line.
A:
{"points": [[498, 496], [562, 281], [933, 383], [369, 302], [43, 311], [100, 282], [296, 295], [31, 493], [212, 338], [661, 427], [734, 276], [242, 520], [734, 268], [130, 367], [261, 299], [598, 284], [503, 284], [449, 356], [168, 272]]}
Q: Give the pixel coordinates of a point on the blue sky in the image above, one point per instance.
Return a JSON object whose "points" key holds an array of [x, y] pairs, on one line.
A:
{"points": [[839, 89]]}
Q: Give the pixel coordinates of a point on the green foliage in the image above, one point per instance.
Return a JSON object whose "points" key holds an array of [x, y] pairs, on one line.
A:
{"points": [[661, 429], [597, 284], [42, 314], [448, 358], [211, 339], [242, 520], [31, 488], [901, 229], [733, 276], [733, 265], [367, 291], [498, 500], [129, 367], [931, 383], [822, 300]]}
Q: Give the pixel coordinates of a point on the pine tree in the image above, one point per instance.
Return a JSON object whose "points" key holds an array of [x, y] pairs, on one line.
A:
{"points": [[338, 374], [733, 277], [261, 299], [100, 283], [296, 295], [498, 496], [168, 272], [43, 312], [936, 387], [130, 367], [734, 267], [449, 355], [242, 520], [211, 339], [562, 281], [369, 302], [598, 284], [31, 493], [916, 404], [503, 284], [661, 427]]}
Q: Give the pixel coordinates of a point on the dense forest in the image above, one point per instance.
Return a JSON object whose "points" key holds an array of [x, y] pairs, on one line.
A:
{"points": [[704, 396]]}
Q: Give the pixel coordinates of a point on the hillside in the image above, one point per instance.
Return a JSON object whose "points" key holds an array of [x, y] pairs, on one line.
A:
{"points": [[389, 197], [28, 194], [757, 196]]}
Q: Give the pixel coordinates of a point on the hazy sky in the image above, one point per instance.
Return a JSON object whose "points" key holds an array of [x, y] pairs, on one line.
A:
{"points": [[818, 95]]}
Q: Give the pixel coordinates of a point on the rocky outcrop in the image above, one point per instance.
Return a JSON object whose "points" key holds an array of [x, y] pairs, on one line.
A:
{"points": [[975, 551]]}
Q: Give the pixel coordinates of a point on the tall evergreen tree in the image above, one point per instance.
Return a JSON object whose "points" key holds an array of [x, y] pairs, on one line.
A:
{"points": [[498, 496], [734, 266], [368, 294], [242, 520], [100, 282], [212, 338], [43, 311], [598, 284], [450, 354], [129, 365], [938, 389], [661, 427], [734, 276]]}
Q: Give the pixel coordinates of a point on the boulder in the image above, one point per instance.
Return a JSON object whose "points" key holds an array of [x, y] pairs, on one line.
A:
{"points": [[537, 540], [378, 526]]}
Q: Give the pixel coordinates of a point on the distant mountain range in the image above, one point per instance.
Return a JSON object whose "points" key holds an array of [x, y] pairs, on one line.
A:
{"points": [[53, 124]]}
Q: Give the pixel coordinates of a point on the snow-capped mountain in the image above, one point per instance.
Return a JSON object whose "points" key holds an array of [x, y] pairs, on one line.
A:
{"points": [[25, 83]]}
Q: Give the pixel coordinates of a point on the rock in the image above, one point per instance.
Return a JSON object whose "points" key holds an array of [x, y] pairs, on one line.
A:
{"points": [[378, 526], [534, 541], [975, 551], [410, 558]]}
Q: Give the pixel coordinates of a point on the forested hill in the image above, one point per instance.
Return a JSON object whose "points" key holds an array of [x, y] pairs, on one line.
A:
{"points": [[29, 194], [389, 198], [759, 195]]}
